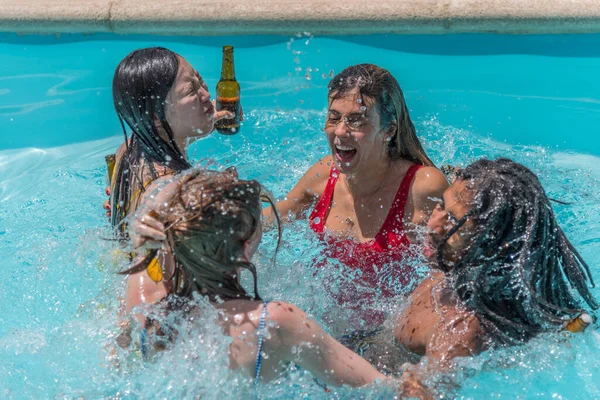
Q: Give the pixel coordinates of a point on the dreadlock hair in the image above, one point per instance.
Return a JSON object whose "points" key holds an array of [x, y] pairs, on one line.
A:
{"points": [[520, 275], [141, 83], [377, 85], [208, 220]]}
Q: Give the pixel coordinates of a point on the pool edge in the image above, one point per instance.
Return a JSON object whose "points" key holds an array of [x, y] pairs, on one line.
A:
{"points": [[286, 17]]}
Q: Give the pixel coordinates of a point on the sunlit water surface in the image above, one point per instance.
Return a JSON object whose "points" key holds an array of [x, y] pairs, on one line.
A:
{"points": [[60, 288]]}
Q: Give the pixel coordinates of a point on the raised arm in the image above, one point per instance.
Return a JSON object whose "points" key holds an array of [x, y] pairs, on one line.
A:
{"points": [[146, 232], [302, 341], [308, 189]]}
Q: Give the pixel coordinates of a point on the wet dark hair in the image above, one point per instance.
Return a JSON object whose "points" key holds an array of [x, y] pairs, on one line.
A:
{"points": [[380, 86], [520, 274], [141, 83], [208, 220]]}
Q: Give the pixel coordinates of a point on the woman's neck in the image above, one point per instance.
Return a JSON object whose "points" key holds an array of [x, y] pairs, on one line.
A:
{"points": [[182, 145]]}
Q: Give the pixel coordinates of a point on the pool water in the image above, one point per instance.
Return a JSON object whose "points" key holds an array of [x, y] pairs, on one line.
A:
{"points": [[530, 98]]}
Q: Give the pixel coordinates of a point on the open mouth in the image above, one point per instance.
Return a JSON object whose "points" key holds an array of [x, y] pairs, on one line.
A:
{"points": [[344, 153]]}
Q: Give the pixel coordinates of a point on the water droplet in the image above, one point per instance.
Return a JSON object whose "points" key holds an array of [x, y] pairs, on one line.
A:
{"points": [[317, 220]]}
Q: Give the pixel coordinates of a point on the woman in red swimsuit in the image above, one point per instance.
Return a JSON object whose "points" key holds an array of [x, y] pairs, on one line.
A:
{"points": [[372, 192], [377, 185]]}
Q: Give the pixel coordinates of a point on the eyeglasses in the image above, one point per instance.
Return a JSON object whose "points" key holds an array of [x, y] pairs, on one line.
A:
{"points": [[354, 122], [456, 225]]}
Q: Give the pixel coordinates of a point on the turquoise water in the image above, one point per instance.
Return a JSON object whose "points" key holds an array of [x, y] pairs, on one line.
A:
{"points": [[531, 98]]}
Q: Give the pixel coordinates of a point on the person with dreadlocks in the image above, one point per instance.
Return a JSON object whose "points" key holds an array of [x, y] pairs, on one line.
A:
{"points": [[166, 104], [506, 271], [211, 222]]}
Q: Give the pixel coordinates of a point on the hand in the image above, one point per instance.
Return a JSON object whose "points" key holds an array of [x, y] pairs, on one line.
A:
{"points": [[224, 114], [147, 232], [106, 204], [411, 387]]}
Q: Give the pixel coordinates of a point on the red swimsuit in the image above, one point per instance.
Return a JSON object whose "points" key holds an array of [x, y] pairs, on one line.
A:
{"points": [[389, 245]]}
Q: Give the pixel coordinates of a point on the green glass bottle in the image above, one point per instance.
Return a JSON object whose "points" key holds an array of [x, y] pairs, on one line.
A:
{"points": [[228, 95]]}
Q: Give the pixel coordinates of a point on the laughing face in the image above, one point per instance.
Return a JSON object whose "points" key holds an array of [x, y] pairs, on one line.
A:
{"points": [[354, 133]]}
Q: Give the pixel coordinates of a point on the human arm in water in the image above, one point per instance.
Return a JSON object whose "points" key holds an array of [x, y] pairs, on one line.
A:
{"points": [[299, 339], [308, 189], [141, 288]]}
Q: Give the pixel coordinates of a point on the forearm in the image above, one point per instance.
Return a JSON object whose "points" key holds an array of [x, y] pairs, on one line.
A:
{"points": [[286, 209], [334, 364]]}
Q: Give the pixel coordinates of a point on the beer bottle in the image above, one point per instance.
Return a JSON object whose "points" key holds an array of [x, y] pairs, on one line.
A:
{"points": [[228, 95], [110, 168], [579, 323]]}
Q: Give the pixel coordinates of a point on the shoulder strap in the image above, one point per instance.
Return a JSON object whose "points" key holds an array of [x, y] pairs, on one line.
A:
{"points": [[396, 215], [319, 214], [260, 342]]}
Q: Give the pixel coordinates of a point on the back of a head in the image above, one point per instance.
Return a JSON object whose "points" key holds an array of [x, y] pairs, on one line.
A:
{"points": [[521, 275], [380, 86], [210, 218]]}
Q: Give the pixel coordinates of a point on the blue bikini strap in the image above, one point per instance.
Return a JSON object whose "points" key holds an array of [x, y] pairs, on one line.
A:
{"points": [[261, 339]]}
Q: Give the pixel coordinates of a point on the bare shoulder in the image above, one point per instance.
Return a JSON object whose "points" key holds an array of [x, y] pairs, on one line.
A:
{"points": [[142, 289], [428, 181], [426, 284], [461, 335]]}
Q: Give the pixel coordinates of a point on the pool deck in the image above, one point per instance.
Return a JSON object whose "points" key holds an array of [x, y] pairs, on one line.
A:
{"points": [[288, 17]]}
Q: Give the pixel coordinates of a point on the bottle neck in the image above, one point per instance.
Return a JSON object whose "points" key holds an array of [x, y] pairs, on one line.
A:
{"points": [[227, 70]]}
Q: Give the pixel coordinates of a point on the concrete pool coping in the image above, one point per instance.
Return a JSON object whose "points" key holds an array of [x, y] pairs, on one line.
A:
{"points": [[288, 17]]}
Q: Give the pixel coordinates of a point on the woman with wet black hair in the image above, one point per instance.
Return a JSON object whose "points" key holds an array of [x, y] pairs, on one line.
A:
{"points": [[165, 103]]}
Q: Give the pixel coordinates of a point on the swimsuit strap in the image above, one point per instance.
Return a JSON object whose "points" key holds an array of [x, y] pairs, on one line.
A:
{"points": [[322, 208], [395, 218], [261, 340]]}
